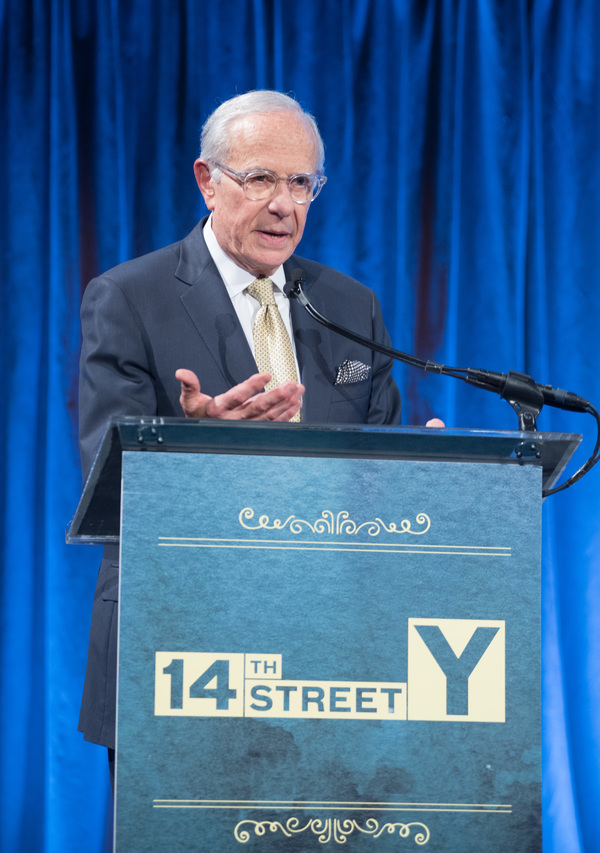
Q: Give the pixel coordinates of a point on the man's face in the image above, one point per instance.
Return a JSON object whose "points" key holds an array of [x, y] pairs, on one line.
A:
{"points": [[260, 235]]}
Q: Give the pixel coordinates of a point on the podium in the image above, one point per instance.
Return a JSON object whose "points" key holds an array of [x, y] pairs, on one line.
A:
{"points": [[329, 636]]}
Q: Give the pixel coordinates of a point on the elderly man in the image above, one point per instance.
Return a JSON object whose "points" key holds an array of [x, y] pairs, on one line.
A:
{"points": [[201, 327]]}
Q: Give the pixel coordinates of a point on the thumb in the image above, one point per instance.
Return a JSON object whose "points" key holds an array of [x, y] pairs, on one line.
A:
{"points": [[190, 398], [190, 384]]}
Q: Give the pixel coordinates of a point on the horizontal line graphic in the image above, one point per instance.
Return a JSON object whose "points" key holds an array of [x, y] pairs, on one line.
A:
{"points": [[311, 545], [491, 808], [317, 542]]}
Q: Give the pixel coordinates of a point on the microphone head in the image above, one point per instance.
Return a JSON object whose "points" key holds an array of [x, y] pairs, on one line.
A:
{"points": [[293, 288]]}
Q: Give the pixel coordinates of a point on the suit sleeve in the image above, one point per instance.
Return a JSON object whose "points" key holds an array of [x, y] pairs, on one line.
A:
{"points": [[114, 377]]}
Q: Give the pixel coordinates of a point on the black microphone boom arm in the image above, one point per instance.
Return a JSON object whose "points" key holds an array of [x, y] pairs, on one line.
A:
{"points": [[523, 393]]}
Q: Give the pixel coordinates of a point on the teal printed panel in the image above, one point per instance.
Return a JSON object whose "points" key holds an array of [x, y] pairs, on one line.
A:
{"points": [[328, 654]]}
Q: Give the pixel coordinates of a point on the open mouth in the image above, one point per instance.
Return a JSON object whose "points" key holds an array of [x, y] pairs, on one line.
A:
{"points": [[274, 235]]}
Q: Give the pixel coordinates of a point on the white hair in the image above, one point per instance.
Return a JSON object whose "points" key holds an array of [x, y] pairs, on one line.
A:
{"points": [[215, 141]]}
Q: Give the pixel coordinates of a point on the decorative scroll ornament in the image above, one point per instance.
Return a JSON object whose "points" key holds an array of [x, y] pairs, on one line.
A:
{"points": [[331, 830], [334, 525]]}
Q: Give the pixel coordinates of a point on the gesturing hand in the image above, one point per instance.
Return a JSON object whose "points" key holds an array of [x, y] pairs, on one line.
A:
{"points": [[242, 402]]}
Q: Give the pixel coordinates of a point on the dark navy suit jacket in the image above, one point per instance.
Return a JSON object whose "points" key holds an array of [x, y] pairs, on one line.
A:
{"points": [[143, 320]]}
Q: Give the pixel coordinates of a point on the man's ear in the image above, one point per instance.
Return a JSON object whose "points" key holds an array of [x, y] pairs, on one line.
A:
{"points": [[205, 183]]}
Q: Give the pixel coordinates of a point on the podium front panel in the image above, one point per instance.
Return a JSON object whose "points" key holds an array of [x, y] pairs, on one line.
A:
{"points": [[318, 653]]}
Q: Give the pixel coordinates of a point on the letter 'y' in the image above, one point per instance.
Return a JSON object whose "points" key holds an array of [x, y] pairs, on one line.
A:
{"points": [[456, 669]]}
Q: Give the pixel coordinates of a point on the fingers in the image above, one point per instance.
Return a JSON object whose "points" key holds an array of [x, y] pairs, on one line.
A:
{"points": [[230, 403], [278, 404], [244, 402], [436, 423]]}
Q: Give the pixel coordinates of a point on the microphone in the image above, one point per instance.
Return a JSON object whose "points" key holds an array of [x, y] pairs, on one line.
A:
{"points": [[522, 392], [508, 384]]}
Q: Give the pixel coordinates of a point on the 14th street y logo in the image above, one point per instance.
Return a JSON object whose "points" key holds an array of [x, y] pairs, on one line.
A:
{"points": [[456, 671]]}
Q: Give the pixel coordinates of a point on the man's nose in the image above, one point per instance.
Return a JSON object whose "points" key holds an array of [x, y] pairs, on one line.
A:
{"points": [[281, 201]]}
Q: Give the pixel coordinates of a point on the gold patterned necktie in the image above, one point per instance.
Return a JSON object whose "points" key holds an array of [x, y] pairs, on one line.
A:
{"points": [[272, 346]]}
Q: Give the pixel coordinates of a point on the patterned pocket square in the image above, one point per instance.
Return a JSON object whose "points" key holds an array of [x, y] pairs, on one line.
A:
{"points": [[351, 371]]}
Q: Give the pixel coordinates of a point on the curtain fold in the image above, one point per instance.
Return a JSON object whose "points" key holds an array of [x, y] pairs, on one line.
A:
{"points": [[462, 144]]}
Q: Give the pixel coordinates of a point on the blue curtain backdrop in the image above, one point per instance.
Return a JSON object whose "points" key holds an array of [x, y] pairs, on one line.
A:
{"points": [[463, 155]]}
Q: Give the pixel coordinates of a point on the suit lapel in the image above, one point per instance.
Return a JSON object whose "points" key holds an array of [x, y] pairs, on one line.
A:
{"points": [[208, 304]]}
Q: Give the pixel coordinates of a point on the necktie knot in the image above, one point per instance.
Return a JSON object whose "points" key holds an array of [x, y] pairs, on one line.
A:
{"points": [[262, 290]]}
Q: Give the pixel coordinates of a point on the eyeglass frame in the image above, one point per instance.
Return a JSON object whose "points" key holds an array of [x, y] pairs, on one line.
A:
{"points": [[242, 177]]}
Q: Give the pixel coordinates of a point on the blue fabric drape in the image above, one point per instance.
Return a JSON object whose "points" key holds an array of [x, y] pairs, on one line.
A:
{"points": [[462, 142]]}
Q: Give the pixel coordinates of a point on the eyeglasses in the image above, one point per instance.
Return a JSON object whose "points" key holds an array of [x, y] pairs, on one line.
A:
{"points": [[261, 184]]}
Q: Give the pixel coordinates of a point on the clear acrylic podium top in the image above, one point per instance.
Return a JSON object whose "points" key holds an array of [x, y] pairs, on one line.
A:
{"points": [[97, 518]]}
